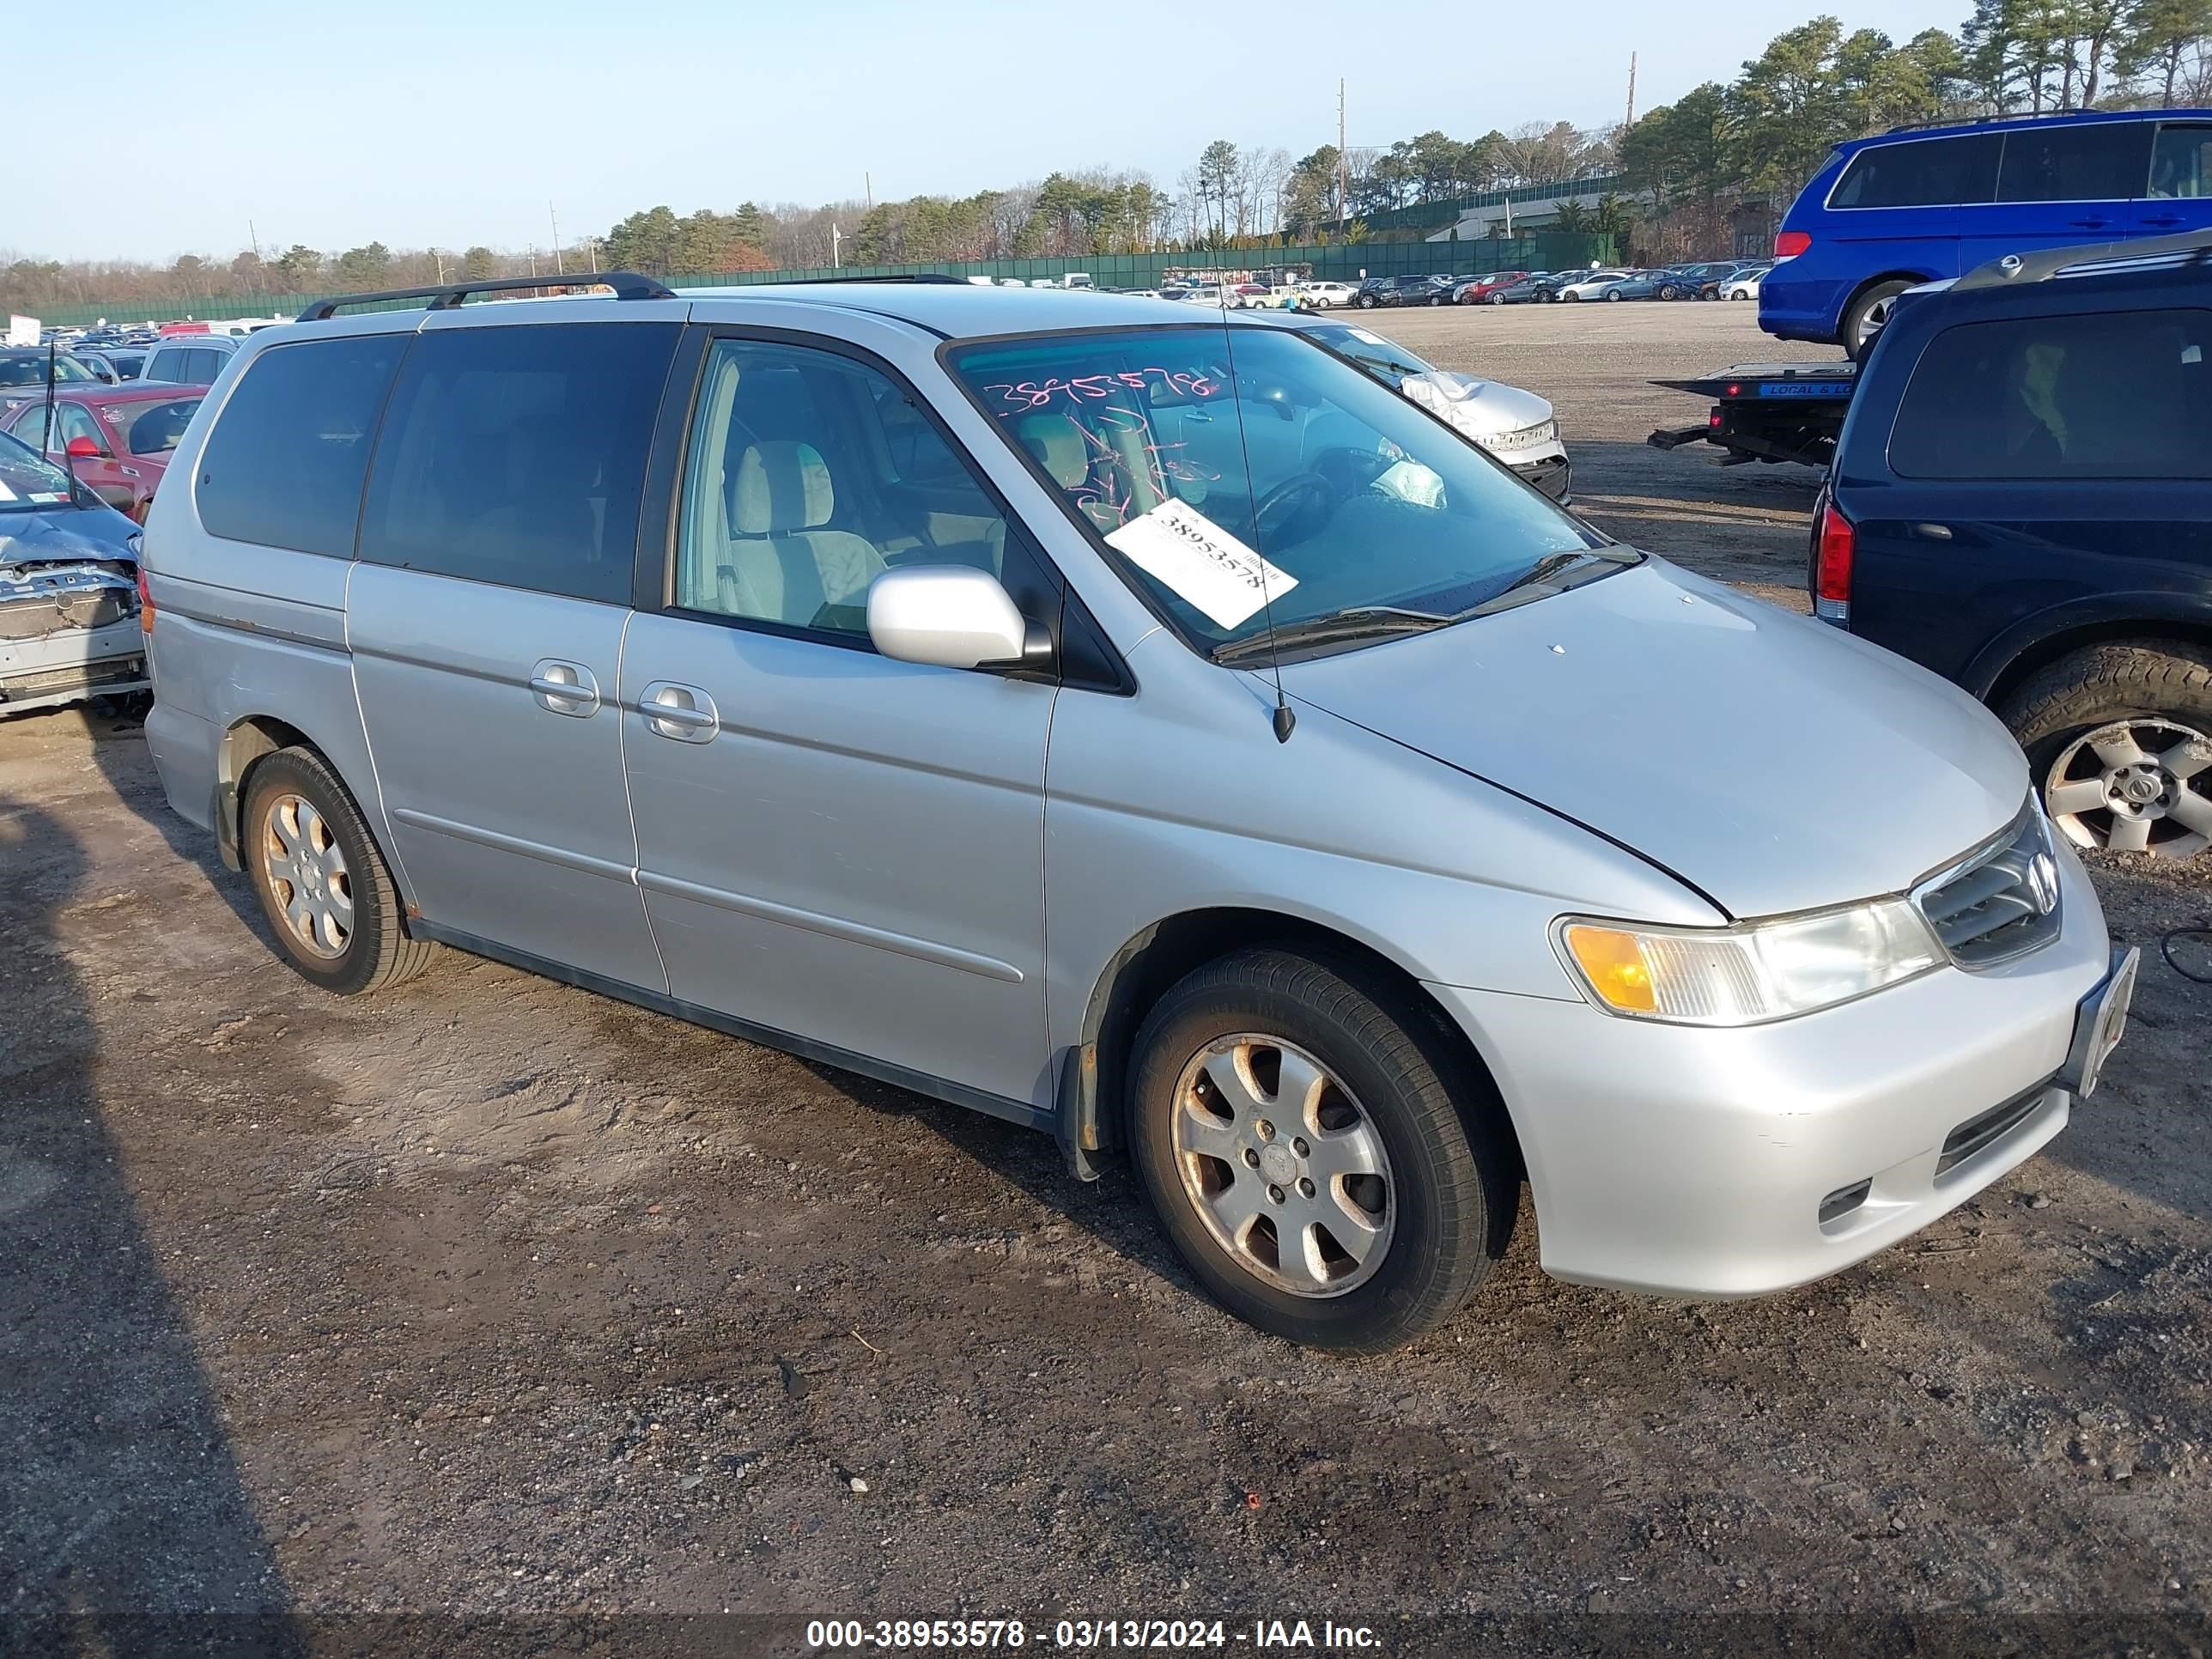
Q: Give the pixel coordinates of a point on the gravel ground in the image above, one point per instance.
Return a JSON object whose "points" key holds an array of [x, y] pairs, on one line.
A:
{"points": [[495, 1301]]}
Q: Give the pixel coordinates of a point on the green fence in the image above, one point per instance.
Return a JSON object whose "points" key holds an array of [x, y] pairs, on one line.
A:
{"points": [[1336, 262]]}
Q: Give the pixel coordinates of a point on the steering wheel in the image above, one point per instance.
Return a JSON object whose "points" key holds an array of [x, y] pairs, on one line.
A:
{"points": [[1292, 487]]}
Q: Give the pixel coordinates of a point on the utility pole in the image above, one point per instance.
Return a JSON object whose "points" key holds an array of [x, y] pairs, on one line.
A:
{"points": [[1631, 121], [440, 258], [559, 269], [1343, 162], [836, 260], [868, 190]]}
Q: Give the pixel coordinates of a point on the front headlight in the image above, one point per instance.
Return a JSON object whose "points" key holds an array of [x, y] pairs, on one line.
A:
{"points": [[1750, 973]]}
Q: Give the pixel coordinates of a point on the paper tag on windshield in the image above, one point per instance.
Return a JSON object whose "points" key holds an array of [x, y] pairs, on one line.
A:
{"points": [[1203, 563]]}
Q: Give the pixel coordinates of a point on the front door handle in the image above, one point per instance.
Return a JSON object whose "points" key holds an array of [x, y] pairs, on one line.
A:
{"points": [[564, 688], [2090, 224], [682, 714]]}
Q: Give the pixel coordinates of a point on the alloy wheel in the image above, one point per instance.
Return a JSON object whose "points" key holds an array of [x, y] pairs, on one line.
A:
{"points": [[1283, 1166], [307, 871], [2134, 786]]}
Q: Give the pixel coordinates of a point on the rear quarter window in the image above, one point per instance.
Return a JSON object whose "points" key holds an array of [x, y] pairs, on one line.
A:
{"points": [[2119, 395], [284, 465], [516, 455], [2100, 162], [1923, 172]]}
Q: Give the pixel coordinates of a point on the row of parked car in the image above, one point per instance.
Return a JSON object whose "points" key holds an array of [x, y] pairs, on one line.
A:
{"points": [[113, 429], [1725, 279]]}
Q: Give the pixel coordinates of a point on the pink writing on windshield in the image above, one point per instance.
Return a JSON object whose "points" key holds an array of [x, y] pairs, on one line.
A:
{"points": [[1026, 395]]}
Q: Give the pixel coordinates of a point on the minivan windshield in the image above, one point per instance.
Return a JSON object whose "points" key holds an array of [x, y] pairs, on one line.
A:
{"points": [[28, 484], [1295, 481]]}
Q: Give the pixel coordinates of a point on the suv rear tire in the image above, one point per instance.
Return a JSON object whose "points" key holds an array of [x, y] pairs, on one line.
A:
{"points": [[1867, 314], [2118, 739], [1278, 1103], [322, 885]]}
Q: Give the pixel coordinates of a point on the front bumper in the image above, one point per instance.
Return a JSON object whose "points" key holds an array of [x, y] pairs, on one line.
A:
{"points": [[1698, 1162], [71, 664], [1552, 475]]}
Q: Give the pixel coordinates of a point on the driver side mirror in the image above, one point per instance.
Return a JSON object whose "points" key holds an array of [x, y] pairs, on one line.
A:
{"points": [[951, 616], [84, 449]]}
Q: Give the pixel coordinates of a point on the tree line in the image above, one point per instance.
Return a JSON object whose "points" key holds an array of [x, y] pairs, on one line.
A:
{"points": [[1766, 131]]}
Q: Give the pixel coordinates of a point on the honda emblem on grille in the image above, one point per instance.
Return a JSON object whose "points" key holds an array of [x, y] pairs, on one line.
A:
{"points": [[2043, 883]]}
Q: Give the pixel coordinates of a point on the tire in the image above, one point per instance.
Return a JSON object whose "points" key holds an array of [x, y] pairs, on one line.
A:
{"points": [[282, 792], [1436, 299], [1449, 1185], [1365, 302], [1864, 318], [2106, 726], [1497, 299], [1612, 293]]}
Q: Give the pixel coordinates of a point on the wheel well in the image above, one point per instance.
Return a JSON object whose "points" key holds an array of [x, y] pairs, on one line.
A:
{"points": [[1859, 292], [2131, 630], [1144, 971], [243, 746]]}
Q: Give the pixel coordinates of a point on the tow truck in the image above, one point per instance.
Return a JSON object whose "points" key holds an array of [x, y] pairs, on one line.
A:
{"points": [[1768, 411]]}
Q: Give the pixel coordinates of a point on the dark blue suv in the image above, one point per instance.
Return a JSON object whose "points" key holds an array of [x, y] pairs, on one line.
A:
{"points": [[1920, 205], [2021, 500]]}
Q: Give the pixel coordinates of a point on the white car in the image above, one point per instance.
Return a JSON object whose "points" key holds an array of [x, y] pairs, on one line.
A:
{"points": [[1743, 286], [1323, 296], [1592, 286]]}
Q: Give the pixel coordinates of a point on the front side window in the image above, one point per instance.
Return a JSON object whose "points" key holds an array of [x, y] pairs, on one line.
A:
{"points": [[2122, 395], [75, 422], [2104, 161], [810, 475], [1293, 478], [2181, 162], [516, 455], [1923, 172], [283, 465]]}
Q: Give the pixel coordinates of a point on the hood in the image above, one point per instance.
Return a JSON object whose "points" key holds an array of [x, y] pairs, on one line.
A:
{"points": [[1480, 408], [71, 536], [1772, 762]]}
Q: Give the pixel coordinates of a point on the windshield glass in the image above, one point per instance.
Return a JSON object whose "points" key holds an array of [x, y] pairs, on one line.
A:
{"points": [[28, 483], [29, 368], [156, 430], [1353, 497]]}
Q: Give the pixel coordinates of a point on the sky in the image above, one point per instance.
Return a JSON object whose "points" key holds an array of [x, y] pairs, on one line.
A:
{"points": [[445, 127]]}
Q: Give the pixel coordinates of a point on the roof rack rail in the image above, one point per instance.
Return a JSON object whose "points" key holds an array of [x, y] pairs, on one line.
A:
{"points": [[2190, 248], [444, 297], [910, 276], [1989, 121]]}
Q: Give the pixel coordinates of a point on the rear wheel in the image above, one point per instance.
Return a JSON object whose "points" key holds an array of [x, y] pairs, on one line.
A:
{"points": [[1868, 315], [2120, 739], [1327, 1174], [322, 884]]}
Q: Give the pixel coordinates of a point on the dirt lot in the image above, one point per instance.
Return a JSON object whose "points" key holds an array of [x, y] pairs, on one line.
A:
{"points": [[491, 1298]]}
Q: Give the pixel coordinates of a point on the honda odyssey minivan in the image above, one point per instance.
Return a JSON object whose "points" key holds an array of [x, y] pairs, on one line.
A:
{"points": [[1136, 724]]}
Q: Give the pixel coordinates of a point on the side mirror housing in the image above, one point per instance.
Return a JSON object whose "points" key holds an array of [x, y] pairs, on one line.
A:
{"points": [[83, 449], [951, 616]]}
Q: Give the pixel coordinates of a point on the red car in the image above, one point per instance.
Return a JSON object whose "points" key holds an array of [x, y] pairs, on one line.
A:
{"points": [[118, 438], [1479, 291]]}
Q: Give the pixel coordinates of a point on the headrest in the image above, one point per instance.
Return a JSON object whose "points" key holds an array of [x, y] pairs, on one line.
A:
{"points": [[1058, 445], [780, 486]]}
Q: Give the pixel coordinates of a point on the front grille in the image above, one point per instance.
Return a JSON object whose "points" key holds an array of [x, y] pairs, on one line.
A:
{"points": [[2000, 902], [1985, 1128]]}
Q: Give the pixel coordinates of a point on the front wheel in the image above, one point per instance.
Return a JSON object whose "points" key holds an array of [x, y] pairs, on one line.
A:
{"points": [[1365, 302], [2120, 740], [1328, 1174], [322, 884]]}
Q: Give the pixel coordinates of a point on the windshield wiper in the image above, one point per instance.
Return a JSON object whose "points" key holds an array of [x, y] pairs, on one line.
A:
{"points": [[1363, 621], [1541, 580]]}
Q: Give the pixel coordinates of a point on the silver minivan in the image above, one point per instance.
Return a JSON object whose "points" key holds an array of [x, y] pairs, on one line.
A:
{"points": [[1136, 724]]}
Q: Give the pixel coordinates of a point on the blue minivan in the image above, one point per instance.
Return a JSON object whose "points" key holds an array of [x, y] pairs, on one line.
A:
{"points": [[1919, 204]]}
